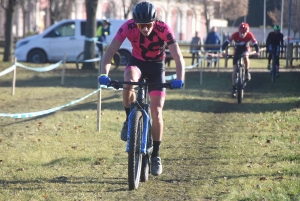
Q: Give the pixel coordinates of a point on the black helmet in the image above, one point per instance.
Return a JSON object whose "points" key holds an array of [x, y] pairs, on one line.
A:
{"points": [[144, 12]]}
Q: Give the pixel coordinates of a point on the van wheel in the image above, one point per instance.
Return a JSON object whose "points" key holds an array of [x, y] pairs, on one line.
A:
{"points": [[125, 56], [37, 56], [116, 60]]}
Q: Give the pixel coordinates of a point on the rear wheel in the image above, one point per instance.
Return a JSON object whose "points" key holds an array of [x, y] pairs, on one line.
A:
{"points": [[273, 67], [134, 154], [146, 158]]}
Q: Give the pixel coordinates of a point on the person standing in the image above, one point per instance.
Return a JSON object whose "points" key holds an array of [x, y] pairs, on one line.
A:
{"points": [[149, 38], [212, 39], [274, 42], [195, 47], [102, 31]]}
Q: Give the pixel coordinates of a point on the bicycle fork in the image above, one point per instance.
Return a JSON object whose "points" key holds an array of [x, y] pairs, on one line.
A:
{"points": [[146, 120]]}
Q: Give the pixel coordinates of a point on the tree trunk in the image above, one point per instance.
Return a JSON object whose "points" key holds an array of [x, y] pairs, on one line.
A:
{"points": [[9, 11], [90, 32]]}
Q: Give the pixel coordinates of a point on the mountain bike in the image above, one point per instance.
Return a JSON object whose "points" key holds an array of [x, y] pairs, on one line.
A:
{"points": [[139, 143]]}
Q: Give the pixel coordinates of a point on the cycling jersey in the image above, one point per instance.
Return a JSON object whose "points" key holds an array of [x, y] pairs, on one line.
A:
{"points": [[147, 48], [275, 39], [241, 44]]}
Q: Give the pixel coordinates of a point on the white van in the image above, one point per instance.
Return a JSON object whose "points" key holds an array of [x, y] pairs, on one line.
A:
{"points": [[64, 37]]}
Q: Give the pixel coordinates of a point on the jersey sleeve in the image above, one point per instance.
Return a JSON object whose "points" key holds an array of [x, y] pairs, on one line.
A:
{"points": [[168, 34], [122, 33], [252, 38]]}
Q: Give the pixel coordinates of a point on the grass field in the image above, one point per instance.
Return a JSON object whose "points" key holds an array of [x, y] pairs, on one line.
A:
{"points": [[212, 149]]}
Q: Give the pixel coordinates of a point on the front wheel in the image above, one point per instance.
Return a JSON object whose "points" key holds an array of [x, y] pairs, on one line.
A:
{"points": [[240, 88], [134, 154], [37, 56]]}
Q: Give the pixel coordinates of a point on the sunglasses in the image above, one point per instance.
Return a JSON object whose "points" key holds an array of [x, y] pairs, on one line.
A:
{"points": [[148, 25]]}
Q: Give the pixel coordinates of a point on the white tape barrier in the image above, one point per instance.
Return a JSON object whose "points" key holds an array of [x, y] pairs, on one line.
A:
{"points": [[40, 113], [8, 70], [41, 69]]}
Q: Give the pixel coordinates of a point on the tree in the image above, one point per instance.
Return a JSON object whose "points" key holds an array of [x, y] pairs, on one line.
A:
{"points": [[90, 32], [222, 9], [9, 8], [60, 9], [295, 15], [233, 9], [130, 8]]}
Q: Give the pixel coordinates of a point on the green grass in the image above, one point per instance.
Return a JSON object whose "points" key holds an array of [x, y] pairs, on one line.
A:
{"points": [[212, 149]]}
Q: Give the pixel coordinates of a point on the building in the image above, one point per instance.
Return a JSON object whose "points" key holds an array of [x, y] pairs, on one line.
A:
{"points": [[184, 18]]}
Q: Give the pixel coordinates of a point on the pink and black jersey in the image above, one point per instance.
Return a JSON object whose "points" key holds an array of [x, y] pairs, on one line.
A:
{"points": [[242, 43], [147, 48]]}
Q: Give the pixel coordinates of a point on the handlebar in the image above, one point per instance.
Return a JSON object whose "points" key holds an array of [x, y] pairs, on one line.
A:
{"points": [[119, 84]]}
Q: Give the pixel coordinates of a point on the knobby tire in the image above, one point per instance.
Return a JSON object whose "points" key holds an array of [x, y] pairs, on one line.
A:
{"points": [[146, 158], [134, 154], [240, 89]]}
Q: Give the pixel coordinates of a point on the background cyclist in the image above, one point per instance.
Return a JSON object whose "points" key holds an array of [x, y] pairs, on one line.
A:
{"points": [[274, 41], [149, 38], [242, 39]]}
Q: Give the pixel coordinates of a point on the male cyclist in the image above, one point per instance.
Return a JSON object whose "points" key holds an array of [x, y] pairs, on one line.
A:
{"points": [[149, 38], [242, 39], [274, 41]]}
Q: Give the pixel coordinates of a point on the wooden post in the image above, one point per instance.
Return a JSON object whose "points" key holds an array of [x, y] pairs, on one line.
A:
{"points": [[63, 71], [99, 96]]}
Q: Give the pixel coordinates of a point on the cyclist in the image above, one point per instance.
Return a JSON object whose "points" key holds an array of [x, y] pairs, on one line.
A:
{"points": [[149, 38], [242, 39], [274, 41]]}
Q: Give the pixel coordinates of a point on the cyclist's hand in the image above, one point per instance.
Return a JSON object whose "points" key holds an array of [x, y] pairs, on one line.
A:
{"points": [[177, 84], [104, 80]]}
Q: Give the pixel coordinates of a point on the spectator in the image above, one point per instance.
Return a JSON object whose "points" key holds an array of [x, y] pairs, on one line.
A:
{"points": [[195, 47], [212, 38], [102, 31]]}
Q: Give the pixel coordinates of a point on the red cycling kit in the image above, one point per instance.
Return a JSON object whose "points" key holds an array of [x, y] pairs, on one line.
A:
{"points": [[148, 52], [241, 44]]}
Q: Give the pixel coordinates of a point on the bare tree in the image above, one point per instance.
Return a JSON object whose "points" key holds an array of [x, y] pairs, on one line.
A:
{"points": [[90, 32], [25, 7], [9, 8], [224, 8], [60, 9], [130, 8], [295, 16]]}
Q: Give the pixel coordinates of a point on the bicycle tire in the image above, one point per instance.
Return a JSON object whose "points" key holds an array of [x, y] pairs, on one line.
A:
{"points": [[240, 90], [273, 73], [146, 163], [134, 154], [79, 60]]}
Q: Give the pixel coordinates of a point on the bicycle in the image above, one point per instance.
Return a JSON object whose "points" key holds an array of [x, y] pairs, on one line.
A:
{"points": [[240, 81], [139, 143]]}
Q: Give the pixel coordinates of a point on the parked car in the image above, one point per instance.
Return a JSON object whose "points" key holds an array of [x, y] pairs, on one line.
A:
{"points": [[66, 37]]}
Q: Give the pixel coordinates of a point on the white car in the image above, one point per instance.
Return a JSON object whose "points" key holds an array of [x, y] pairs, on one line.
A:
{"points": [[66, 37]]}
